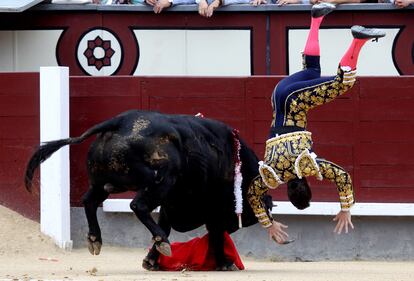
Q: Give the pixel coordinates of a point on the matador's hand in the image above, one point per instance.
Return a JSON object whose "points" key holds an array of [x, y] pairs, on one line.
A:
{"points": [[277, 233], [344, 220]]}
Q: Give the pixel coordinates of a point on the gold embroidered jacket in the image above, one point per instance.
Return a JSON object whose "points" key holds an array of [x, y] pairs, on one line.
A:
{"points": [[290, 155]]}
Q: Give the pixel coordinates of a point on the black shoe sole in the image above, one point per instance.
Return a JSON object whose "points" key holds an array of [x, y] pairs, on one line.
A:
{"points": [[322, 9], [361, 32]]}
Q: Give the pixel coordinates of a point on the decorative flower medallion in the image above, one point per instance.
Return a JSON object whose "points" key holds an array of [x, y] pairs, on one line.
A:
{"points": [[99, 52]]}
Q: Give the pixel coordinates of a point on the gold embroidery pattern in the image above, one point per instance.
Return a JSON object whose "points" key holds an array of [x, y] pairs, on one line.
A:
{"points": [[342, 180], [306, 165], [254, 194], [308, 98], [282, 151]]}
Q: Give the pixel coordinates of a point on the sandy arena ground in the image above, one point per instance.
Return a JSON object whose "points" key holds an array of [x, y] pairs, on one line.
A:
{"points": [[27, 254]]}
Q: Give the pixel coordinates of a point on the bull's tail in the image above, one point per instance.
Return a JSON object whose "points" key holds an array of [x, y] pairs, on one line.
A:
{"points": [[45, 150]]}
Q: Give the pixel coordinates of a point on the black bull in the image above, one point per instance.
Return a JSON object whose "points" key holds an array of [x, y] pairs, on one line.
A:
{"points": [[182, 163]]}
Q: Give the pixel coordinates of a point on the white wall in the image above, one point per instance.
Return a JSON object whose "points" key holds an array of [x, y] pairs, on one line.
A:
{"points": [[27, 50], [375, 57], [194, 52]]}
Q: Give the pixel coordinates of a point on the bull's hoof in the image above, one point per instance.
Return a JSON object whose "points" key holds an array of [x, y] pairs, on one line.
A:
{"points": [[94, 245], [164, 248], [229, 267], [150, 264]]}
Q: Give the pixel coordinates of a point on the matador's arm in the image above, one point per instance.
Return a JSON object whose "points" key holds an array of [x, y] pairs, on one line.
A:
{"points": [[341, 178], [255, 194]]}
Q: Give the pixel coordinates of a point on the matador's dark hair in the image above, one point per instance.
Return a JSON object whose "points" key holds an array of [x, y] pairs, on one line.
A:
{"points": [[299, 193]]}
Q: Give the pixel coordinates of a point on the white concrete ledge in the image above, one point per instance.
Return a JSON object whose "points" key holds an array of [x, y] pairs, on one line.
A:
{"points": [[316, 208]]}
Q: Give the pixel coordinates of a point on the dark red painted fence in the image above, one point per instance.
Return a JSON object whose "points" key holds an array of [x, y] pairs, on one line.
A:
{"points": [[368, 131], [19, 133]]}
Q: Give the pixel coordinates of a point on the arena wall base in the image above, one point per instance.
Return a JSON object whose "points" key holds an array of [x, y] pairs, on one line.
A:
{"points": [[374, 238]]}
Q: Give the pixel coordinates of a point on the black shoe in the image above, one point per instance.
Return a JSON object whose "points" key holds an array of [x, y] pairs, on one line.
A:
{"points": [[361, 32], [322, 9]]}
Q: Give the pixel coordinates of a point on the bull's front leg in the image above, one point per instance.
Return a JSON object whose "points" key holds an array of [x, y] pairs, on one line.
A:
{"points": [[150, 262], [91, 201], [142, 205], [216, 243]]}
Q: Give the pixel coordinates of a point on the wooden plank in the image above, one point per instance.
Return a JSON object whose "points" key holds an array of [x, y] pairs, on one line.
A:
{"points": [[27, 204], [19, 135], [19, 83], [261, 108], [227, 110], [179, 87], [262, 86], [397, 195], [93, 110], [386, 131], [118, 86], [261, 131], [19, 127], [385, 154], [341, 109], [10, 146], [19, 105], [78, 173], [211, 108], [338, 154], [390, 177], [258, 149], [331, 132], [386, 109], [386, 87]]}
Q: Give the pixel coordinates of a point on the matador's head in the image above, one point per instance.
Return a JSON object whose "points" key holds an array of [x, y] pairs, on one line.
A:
{"points": [[299, 193]]}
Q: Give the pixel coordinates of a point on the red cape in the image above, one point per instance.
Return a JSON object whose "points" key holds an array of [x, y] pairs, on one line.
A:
{"points": [[194, 255]]}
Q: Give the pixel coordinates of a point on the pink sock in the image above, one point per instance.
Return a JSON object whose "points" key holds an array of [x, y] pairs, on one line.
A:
{"points": [[312, 43], [350, 58]]}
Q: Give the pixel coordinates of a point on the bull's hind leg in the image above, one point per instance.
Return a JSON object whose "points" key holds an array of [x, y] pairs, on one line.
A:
{"points": [[91, 201], [150, 262]]}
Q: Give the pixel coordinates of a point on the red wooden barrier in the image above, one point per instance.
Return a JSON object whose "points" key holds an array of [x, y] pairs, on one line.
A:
{"points": [[19, 133], [368, 131]]}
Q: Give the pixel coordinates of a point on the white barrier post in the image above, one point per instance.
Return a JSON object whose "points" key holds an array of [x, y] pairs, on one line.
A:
{"points": [[54, 173]]}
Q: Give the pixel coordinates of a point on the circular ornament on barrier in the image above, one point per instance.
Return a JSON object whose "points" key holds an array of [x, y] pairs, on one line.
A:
{"points": [[99, 52]]}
